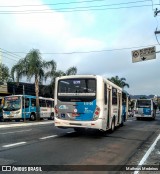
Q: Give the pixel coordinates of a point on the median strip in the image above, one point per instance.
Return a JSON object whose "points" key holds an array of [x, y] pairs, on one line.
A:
{"points": [[15, 144]]}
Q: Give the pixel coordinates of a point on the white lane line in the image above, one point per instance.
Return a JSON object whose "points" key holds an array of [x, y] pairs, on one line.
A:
{"points": [[147, 153], [70, 132], [15, 144], [51, 136], [15, 132]]}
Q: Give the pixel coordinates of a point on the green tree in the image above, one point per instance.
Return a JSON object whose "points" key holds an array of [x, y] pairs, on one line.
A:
{"points": [[4, 74], [119, 81], [18, 70], [32, 66]]}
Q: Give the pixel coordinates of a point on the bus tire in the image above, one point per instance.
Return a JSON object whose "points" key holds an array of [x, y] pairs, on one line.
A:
{"points": [[52, 116], [1, 119], [78, 129], [122, 124], [32, 117], [112, 125]]}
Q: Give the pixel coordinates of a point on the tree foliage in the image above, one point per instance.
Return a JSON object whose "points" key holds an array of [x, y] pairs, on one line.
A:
{"points": [[119, 81], [4, 74], [34, 67]]}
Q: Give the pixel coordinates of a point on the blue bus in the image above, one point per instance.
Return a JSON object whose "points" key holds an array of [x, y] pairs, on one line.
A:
{"points": [[89, 101], [21, 107], [145, 108]]}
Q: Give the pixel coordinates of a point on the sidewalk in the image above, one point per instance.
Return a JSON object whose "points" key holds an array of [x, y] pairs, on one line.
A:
{"points": [[26, 123]]}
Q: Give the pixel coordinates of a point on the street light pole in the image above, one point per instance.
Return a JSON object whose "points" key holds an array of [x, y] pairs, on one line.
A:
{"points": [[24, 104]]}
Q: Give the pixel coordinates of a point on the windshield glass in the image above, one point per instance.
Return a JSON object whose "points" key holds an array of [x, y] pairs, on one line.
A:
{"points": [[77, 90], [143, 103], [12, 103]]}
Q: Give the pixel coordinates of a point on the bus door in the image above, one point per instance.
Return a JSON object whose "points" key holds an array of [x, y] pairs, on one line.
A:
{"points": [[25, 110], [109, 107], [119, 107], [44, 113]]}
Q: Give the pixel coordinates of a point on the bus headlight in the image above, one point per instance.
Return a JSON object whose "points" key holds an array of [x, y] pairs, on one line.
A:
{"points": [[96, 113]]}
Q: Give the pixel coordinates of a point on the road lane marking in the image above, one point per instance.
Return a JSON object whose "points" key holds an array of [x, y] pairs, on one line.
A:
{"points": [[71, 132], [147, 153], [15, 144], [51, 136], [15, 132]]}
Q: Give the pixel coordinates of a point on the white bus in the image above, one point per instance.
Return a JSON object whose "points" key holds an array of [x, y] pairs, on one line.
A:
{"points": [[89, 101], [17, 107], [145, 108]]}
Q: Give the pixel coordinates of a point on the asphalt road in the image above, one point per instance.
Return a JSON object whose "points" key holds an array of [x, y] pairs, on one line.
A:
{"points": [[43, 144]]}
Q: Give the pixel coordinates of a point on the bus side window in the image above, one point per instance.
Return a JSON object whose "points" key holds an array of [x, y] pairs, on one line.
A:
{"points": [[105, 94], [114, 96], [26, 103], [42, 103], [33, 102], [49, 103], [124, 97]]}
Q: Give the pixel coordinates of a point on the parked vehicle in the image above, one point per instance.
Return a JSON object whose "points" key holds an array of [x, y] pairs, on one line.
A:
{"points": [[18, 107]]}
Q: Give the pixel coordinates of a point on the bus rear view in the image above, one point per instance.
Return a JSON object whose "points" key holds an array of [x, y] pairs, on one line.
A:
{"points": [[145, 108], [89, 101], [76, 102]]}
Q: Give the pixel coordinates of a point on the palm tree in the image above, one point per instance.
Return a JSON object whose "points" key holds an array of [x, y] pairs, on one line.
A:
{"points": [[32, 66], [119, 81], [19, 69], [53, 73]]}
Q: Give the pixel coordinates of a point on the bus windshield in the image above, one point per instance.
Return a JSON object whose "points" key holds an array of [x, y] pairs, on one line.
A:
{"points": [[143, 103], [12, 103], [77, 90]]}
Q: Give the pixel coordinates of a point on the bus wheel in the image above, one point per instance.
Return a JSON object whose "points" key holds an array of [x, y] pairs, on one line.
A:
{"points": [[32, 117], [52, 116], [112, 126], [122, 124], [78, 129]]}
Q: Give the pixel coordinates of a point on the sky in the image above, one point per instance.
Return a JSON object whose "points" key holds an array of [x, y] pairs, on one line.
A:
{"points": [[96, 36]]}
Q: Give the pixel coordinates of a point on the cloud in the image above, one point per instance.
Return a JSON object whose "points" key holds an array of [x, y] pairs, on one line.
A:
{"points": [[56, 32]]}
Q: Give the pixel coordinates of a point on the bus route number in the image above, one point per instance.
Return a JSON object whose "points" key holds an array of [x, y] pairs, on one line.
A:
{"points": [[88, 103]]}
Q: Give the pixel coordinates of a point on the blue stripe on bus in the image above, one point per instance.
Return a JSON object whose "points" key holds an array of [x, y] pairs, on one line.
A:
{"points": [[147, 111], [86, 110]]}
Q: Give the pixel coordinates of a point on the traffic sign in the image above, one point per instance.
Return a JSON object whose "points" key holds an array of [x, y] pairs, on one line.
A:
{"points": [[144, 54]]}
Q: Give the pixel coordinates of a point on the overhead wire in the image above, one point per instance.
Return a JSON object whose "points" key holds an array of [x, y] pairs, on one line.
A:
{"points": [[92, 51], [81, 8], [65, 3]]}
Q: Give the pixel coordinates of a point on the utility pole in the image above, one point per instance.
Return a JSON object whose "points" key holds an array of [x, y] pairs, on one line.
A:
{"points": [[24, 104], [155, 14], [1, 67]]}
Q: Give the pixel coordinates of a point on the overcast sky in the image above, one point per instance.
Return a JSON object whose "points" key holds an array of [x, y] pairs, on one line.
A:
{"points": [[108, 35]]}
